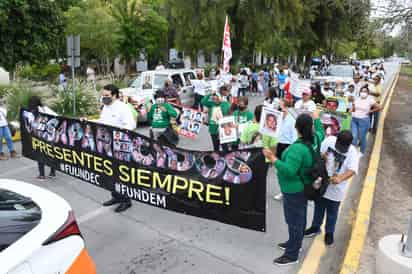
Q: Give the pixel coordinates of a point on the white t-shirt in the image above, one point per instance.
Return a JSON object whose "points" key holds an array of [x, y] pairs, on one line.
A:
{"points": [[308, 106], [328, 93], [90, 74], [3, 116], [199, 87], [362, 107], [117, 115], [338, 163]]}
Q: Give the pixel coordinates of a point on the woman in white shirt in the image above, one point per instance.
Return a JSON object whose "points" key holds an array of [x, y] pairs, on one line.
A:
{"points": [[361, 108], [36, 106]]}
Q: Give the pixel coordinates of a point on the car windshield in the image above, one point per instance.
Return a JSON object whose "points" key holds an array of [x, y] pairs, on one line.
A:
{"points": [[341, 71], [159, 80], [136, 82], [18, 215]]}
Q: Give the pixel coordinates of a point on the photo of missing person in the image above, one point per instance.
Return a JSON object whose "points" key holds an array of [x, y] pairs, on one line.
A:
{"points": [[210, 165], [104, 141], [227, 130], [122, 146], [190, 122], [88, 139], [161, 156], [141, 152], [270, 122], [238, 171], [337, 104]]}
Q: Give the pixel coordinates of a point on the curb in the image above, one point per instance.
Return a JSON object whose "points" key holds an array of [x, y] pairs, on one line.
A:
{"points": [[361, 225]]}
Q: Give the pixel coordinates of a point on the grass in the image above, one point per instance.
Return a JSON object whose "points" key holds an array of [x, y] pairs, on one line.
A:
{"points": [[407, 70]]}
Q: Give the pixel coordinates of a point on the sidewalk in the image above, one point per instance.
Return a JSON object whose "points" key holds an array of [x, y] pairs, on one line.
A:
{"points": [[393, 195]]}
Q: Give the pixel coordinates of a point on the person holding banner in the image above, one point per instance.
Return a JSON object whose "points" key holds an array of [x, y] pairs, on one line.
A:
{"points": [[35, 106], [291, 176], [217, 108], [116, 114]]}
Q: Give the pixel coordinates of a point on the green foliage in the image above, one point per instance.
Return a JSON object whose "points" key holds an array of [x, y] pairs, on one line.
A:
{"points": [[141, 27], [48, 72], [86, 102], [29, 31], [407, 70], [96, 27], [17, 96]]}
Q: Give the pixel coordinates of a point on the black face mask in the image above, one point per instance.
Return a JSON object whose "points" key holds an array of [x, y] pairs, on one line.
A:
{"points": [[107, 100]]}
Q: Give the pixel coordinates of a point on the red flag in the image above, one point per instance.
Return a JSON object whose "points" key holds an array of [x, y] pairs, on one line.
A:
{"points": [[226, 47]]}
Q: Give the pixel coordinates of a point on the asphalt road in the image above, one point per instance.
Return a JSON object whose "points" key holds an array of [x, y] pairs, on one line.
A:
{"points": [[146, 239]]}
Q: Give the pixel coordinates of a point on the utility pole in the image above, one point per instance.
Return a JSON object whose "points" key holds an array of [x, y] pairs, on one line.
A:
{"points": [[73, 54]]}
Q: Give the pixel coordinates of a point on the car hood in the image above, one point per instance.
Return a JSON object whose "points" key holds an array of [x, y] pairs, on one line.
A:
{"points": [[332, 79]]}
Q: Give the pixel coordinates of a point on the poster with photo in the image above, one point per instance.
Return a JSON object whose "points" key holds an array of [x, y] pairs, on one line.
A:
{"points": [[337, 104], [191, 121], [334, 122], [270, 122], [227, 130]]}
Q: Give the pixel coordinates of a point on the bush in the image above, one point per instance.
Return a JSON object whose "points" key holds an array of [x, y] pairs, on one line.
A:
{"points": [[17, 96], [48, 72], [86, 101]]}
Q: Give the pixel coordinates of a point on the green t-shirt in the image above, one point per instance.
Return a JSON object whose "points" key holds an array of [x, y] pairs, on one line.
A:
{"points": [[133, 110], [251, 130], [159, 118], [242, 117], [211, 105]]}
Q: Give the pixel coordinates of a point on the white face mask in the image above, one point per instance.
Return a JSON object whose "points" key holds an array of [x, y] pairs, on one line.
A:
{"points": [[363, 95]]}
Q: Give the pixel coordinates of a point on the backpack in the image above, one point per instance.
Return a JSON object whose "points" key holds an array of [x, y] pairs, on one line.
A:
{"points": [[318, 174]]}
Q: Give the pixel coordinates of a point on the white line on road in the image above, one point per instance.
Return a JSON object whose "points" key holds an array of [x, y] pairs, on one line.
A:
{"points": [[92, 214]]}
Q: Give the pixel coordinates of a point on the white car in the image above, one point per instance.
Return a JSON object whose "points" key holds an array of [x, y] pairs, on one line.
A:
{"points": [[38, 233], [144, 87]]}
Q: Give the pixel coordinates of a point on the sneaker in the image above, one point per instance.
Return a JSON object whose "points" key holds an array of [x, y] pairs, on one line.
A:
{"points": [[278, 197], [283, 246], [2, 156], [285, 260], [328, 238], [311, 232], [123, 206]]}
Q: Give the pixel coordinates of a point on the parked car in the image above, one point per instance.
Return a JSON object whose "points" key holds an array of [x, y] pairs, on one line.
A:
{"points": [[145, 86], [39, 233], [336, 73]]}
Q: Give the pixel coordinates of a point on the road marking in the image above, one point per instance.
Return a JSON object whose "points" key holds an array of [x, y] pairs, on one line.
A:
{"points": [[361, 224], [93, 214], [17, 170], [317, 249]]}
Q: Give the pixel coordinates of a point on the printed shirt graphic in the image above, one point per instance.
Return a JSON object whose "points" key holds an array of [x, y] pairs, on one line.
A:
{"points": [[338, 163]]}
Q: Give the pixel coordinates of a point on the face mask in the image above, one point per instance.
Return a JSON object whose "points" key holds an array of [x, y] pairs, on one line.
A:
{"points": [[107, 100], [160, 101], [363, 95]]}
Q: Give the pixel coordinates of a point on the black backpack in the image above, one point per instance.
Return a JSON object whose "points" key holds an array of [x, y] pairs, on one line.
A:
{"points": [[318, 174]]}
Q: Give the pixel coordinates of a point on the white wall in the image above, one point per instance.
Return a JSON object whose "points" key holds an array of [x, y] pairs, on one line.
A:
{"points": [[4, 77]]}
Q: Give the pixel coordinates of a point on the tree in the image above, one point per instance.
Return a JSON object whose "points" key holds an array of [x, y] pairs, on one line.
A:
{"points": [[97, 29], [141, 27], [29, 31]]}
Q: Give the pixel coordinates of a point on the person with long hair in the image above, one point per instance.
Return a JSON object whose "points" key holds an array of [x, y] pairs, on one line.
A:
{"points": [[291, 172], [362, 107], [36, 106]]}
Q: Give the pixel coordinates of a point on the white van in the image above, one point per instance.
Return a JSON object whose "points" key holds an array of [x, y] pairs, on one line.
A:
{"points": [[148, 82]]}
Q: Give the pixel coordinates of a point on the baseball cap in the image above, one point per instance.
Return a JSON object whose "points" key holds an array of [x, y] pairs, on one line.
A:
{"points": [[343, 141]]}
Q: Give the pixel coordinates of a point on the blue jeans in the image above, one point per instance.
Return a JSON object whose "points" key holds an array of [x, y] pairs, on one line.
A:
{"points": [[331, 208], [294, 208], [5, 133], [360, 129]]}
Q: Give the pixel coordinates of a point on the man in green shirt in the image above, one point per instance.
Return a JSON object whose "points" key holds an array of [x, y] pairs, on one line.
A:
{"points": [[160, 114], [218, 107]]}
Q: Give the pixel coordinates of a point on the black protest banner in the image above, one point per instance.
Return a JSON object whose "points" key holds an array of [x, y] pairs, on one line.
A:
{"points": [[229, 188]]}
